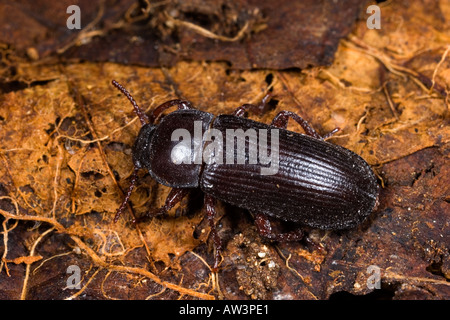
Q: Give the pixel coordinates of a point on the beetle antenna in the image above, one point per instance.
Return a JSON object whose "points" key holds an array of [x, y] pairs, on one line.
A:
{"points": [[141, 114]]}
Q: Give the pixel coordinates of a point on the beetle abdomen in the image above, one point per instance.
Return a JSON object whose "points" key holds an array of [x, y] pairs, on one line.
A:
{"points": [[316, 183]]}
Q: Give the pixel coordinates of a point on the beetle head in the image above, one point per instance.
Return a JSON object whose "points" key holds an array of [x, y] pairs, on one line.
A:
{"points": [[142, 147]]}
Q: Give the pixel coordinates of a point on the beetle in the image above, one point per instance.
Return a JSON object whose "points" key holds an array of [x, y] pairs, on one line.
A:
{"points": [[317, 184]]}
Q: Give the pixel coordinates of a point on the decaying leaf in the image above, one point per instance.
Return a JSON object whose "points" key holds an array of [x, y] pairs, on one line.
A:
{"points": [[248, 34]]}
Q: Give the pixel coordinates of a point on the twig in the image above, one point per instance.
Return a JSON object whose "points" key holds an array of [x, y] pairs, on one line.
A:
{"points": [[52, 257], [356, 44], [437, 67], [5, 244], [59, 227], [339, 83], [103, 289], [156, 294], [389, 100], [393, 276], [86, 33], [214, 277], [60, 157], [205, 32], [76, 294], [102, 263], [23, 295]]}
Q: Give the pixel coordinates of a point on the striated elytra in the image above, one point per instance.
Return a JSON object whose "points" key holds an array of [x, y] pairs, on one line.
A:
{"points": [[311, 182]]}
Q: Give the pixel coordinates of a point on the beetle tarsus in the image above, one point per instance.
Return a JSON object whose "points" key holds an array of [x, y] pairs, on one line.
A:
{"points": [[258, 109], [265, 229], [281, 120], [175, 196], [179, 103], [331, 133]]}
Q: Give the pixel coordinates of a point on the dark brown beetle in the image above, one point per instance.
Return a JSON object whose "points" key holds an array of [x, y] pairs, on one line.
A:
{"points": [[316, 183]]}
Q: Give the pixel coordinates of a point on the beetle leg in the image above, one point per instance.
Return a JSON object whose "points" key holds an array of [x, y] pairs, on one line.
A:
{"points": [[127, 196], [265, 229], [258, 109], [210, 205], [281, 120], [331, 133], [175, 196], [181, 105]]}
